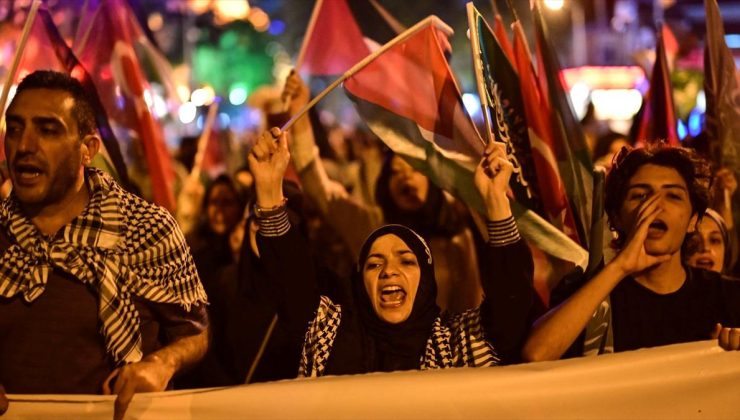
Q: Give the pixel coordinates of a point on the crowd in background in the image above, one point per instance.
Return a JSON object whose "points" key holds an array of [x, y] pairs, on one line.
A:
{"points": [[344, 184]]}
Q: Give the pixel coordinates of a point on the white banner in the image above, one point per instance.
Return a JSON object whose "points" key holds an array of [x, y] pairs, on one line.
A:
{"points": [[693, 380]]}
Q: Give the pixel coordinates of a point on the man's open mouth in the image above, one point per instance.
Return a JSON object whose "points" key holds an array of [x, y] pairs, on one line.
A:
{"points": [[27, 171], [657, 228]]}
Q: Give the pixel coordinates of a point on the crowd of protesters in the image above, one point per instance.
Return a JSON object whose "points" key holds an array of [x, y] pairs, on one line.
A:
{"points": [[328, 256], [292, 298]]}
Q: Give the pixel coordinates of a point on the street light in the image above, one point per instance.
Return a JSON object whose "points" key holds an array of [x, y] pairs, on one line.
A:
{"points": [[554, 4]]}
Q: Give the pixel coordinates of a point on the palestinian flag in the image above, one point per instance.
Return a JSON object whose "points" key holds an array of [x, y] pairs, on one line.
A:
{"points": [[408, 97], [343, 32]]}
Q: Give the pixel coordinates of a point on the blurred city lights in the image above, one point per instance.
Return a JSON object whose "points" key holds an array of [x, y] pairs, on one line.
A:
{"points": [[183, 93], [203, 96], [160, 106], [238, 95], [701, 101], [681, 130], [472, 103], [187, 112], [223, 119], [616, 104], [580, 95], [554, 4], [695, 123], [155, 21], [732, 40], [277, 27], [228, 10], [259, 19], [199, 6]]}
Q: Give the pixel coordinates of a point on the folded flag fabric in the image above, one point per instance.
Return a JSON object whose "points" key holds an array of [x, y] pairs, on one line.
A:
{"points": [[409, 98]]}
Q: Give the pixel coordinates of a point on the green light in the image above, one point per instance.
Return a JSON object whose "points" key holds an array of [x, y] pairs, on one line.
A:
{"points": [[237, 94]]}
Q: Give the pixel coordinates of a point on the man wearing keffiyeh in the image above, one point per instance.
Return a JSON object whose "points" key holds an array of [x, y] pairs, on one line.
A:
{"points": [[98, 291]]}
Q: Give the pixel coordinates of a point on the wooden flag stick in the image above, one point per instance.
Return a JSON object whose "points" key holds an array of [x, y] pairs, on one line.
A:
{"points": [[513, 10], [309, 33], [80, 43], [365, 61], [18, 55], [205, 135], [261, 351], [494, 7], [302, 52], [78, 32]]}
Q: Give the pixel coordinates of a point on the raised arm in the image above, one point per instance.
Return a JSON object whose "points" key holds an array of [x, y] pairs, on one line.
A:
{"points": [[350, 218], [555, 331], [283, 251], [507, 267]]}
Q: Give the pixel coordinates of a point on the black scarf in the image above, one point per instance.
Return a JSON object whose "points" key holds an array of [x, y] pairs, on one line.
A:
{"points": [[364, 342]]}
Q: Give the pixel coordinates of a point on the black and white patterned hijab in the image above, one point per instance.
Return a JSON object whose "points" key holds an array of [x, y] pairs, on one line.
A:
{"points": [[120, 245]]}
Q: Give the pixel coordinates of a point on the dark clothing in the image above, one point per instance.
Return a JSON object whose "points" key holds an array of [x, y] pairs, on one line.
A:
{"points": [[54, 346], [108, 288], [504, 313], [643, 318], [247, 320]]}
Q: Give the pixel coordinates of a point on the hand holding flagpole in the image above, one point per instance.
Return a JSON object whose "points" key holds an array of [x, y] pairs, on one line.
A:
{"points": [[364, 62]]}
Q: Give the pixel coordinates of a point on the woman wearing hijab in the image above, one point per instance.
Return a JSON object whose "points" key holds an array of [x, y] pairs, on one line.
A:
{"points": [[393, 322]]}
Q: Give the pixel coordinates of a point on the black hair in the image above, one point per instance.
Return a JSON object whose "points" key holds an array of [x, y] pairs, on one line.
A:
{"points": [[82, 110], [694, 170]]}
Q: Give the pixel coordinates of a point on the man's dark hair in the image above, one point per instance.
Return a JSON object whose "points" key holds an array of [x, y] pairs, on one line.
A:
{"points": [[82, 111], [694, 170]]}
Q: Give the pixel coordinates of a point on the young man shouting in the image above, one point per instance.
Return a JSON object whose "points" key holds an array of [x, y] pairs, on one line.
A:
{"points": [[653, 197]]}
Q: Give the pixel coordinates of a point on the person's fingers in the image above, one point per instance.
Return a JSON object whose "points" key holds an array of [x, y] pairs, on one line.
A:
{"points": [[259, 152], [275, 132], [107, 390], [643, 225], [125, 395], [121, 381], [715, 333], [504, 165], [724, 338], [500, 147], [734, 339], [282, 142], [647, 206], [4, 403]]}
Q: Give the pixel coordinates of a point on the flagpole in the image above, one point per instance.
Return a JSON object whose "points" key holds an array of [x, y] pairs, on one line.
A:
{"points": [[203, 140], [389, 19], [309, 33], [479, 83], [513, 10], [83, 42], [494, 7], [365, 61], [85, 5], [18, 54], [261, 351]]}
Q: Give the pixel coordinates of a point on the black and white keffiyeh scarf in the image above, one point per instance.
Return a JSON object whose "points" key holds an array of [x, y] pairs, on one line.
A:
{"points": [[120, 246]]}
